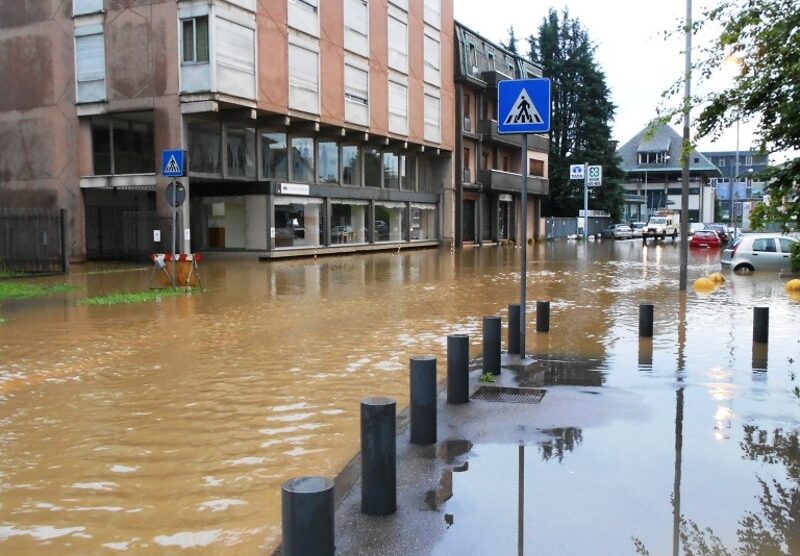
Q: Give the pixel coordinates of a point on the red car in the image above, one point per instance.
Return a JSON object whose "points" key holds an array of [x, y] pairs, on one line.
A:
{"points": [[705, 238]]}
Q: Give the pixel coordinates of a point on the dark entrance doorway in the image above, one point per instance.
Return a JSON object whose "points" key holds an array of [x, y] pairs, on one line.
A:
{"points": [[503, 211], [468, 225], [120, 224]]}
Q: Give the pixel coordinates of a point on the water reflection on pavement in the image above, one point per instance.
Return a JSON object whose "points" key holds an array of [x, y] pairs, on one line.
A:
{"points": [[172, 425]]}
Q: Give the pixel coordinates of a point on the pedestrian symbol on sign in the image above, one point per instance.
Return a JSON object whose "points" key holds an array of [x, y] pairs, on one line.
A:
{"points": [[172, 166], [523, 111]]}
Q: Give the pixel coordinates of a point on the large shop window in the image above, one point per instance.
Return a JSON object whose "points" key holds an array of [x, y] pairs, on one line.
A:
{"points": [[298, 222], [389, 221], [328, 162], [226, 219], [349, 222], [241, 150], [351, 165], [274, 155], [391, 171], [408, 169], [194, 37], [372, 167], [123, 144], [205, 147], [303, 159], [90, 61], [423, 222]]}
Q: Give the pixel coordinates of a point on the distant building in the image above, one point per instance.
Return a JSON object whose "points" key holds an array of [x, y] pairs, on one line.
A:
{"points": [[489, 165], [747, 190], [652, 167]]}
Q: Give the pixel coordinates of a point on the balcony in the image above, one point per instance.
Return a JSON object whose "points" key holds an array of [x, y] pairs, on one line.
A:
{"points": [[488, 128], [494, 76], [497, 180]]}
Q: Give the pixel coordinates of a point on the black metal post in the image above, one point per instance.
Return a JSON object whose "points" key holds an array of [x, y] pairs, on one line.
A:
{"points": [[64, 244], [646, 320], [378, 456], [542, 316], [457, 368], [307, 515], [646, 351], [491, 345], [760, 356], [513, 329], [423, 400], [761, 325]]}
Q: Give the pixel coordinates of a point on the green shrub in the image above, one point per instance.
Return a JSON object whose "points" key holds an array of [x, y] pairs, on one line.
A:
{"points": [[795, 257]]}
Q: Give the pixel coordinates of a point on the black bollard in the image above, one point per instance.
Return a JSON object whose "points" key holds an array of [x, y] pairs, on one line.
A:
{"points": [[423, 400], [457, 368], [307, 516], [646, 320], [760, 356], [760, 325], [378, 456], [513, 329], [491, 345], [646, 352], [542, 316]]}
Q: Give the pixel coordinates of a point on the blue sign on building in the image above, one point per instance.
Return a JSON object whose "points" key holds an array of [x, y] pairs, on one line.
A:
{"points": [[173, 163], [523, 106]]}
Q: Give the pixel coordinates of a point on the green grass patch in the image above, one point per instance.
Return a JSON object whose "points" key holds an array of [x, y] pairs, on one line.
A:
{"points": [[20, 290], [9, 273], [3, 321], [134, 297]]}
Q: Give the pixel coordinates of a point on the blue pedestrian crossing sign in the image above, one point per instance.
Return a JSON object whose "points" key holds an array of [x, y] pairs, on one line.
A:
{"points": [[173, 164], [523, 106]]}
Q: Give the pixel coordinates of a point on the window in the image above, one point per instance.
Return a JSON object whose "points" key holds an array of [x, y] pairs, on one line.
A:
{"points": [[303, 15], [298, 221], [274, 155], [764, 245], [423, 222], [328, 162], [241, 151], [303, 79], [722, 162], [432, 118], [398, 43], [398, 108], [205, 147], [302, 159], [506, 163], [432, 59], [194, 34], [372, 167], [748, 160], [356, 95], [536, 167], [467, 113], [90, 64], [786, 244], [349, 222], [389, 218], [356, 26], [432, 12], [351, 165], [391, 171], [82, 7], [467, 165], [123, 144], [235, 58], [408, 169], [660, 157]]}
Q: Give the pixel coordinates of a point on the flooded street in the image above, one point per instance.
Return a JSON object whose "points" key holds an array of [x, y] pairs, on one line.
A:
{"points": [[171, 426]]}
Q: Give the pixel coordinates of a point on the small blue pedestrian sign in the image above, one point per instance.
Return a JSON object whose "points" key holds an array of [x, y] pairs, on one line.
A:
{"points": [[173, 164], [523, 106]]}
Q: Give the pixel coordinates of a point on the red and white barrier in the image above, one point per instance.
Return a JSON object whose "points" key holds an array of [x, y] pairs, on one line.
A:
{"points": [[181, 257]]}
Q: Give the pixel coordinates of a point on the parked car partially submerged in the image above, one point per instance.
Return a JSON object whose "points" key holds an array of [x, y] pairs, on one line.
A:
{"points": [[722, 231], [758, 252], [638, 228], [705, 238], [618, 231]]}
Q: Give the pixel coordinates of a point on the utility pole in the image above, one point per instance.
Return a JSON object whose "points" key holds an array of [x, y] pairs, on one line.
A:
{"points": [[733, 181], [686, 151], [586, 200]]}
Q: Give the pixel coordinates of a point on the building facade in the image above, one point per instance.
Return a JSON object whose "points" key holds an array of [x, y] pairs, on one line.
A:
{"points": [[308, 124], [652, 166], [488, 165], [748, 189]]}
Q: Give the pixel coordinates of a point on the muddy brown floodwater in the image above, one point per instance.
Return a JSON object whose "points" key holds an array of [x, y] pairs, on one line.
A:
{"points": [[170, 426]]}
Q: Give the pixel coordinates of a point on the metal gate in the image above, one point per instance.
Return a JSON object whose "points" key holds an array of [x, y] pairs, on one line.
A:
{"points": [[124, 234], [33, 240]]}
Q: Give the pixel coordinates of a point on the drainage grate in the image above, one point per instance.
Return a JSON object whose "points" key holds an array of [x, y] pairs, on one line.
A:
{"points": [[505, 394]]}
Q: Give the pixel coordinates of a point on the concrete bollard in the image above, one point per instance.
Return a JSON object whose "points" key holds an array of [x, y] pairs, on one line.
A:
{"points": [[761, 325], [378, 456], [307, 516], [513, 329], [646, 320], [542, 316], [491, 345], [457, 368], [423, 400]]}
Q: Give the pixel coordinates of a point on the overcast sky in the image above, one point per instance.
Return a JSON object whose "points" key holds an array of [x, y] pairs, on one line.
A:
{"points": [[639, 63]]}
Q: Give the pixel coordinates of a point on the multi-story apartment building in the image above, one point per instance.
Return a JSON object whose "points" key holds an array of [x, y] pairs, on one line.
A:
{"points": [[308, 124], [748, 188], [489, 166]]}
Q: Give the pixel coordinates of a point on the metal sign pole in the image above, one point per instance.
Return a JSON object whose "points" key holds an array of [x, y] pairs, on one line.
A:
{"points": [[524, 264], [585, 200], [174, 231]]}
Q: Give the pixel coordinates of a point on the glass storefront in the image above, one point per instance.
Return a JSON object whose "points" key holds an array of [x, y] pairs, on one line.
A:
{"points": [[349, 222], [328, 162], [389, 221], [423, 222], [274, 154], [351, 165], [241, 145], [372, 167], [225, 222], [302, 159], [299, 222]]}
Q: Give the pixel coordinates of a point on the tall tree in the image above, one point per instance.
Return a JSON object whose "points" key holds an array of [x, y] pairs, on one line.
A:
{"points": [[764, 36], [511, 43], [581, 118]]}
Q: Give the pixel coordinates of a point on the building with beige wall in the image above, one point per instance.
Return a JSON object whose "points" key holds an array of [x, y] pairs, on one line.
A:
{"points": [[309, 124]]}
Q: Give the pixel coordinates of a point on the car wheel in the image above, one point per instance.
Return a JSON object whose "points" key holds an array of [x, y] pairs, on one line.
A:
{"points": [[744, 270]]}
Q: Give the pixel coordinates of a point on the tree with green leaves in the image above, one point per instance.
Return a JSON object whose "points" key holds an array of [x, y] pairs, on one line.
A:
{"points": [[581, 118], [763, 36], [511, 44]]}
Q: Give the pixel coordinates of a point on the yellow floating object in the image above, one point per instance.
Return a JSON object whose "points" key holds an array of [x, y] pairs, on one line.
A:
{"points": [[793, 285], [704, 285], [717, 278]]}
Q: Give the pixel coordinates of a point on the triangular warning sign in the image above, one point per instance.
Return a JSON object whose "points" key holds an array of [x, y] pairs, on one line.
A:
{"points": [[172, 166], [523, 111]]}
